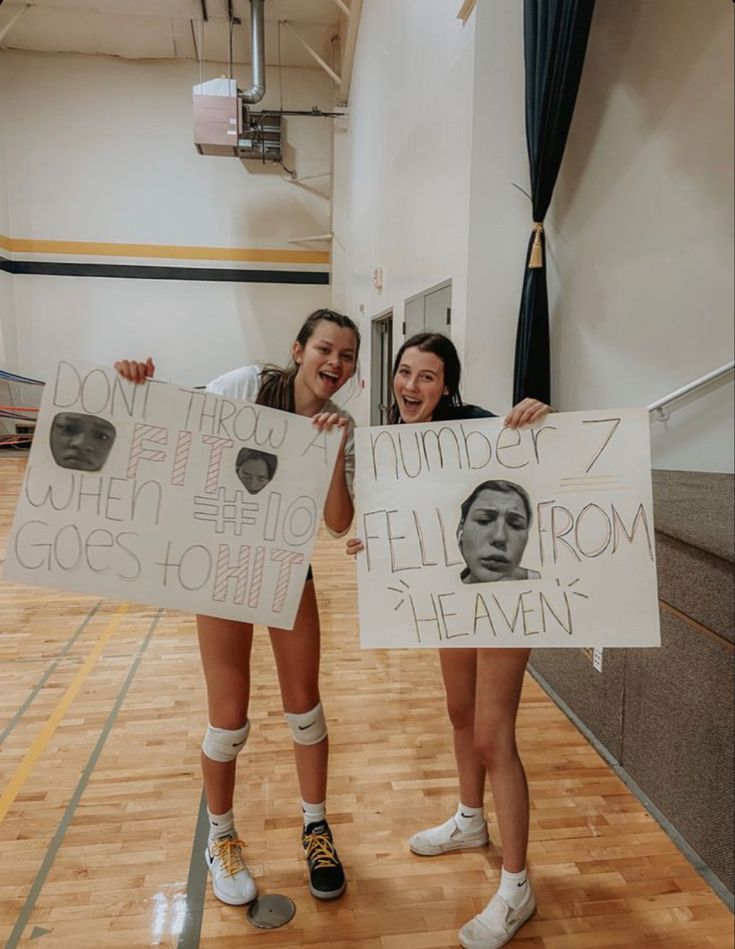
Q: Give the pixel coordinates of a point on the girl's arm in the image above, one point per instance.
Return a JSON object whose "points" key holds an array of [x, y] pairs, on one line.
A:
{"points": [[135, 371], [527, 411], [338, 506], [354, 546]]}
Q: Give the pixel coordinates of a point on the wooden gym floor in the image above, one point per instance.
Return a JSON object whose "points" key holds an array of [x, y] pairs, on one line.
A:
{"points": [[101, 717]]}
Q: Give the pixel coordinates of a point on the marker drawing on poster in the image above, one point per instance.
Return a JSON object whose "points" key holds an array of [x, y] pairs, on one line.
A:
{"points": [[170, 496], [480, 535]]}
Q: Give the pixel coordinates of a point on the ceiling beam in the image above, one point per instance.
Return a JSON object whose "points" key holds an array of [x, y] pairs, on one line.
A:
{"points": [[9, 17], [348, 55], [467, 7], [343, 7], [312, 52]]}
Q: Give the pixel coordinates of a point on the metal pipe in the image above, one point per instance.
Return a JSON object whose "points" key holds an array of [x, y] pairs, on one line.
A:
{"points": [[257, 34], [690, 387]]}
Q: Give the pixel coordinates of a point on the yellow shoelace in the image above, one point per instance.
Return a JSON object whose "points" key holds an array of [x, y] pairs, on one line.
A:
{"points": [[320, 849], [228, 851]]}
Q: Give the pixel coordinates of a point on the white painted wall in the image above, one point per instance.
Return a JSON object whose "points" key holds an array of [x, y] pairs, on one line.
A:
{"points": [[401, 198], [100, 149], [7, 309], [640, 227], [500, 215]]}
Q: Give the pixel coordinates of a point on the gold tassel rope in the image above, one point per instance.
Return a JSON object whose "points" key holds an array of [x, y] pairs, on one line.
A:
{"points": [[537, 255]]}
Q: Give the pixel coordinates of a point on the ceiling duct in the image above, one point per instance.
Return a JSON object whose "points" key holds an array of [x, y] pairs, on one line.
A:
{"points": [[223, 123], [257, 42]]}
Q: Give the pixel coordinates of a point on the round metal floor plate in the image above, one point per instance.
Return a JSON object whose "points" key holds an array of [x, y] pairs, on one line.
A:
{"points": [[271, 911]]}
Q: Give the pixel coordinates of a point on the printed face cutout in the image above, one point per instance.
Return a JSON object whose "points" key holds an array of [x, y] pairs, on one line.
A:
{"points": [[255, 469], [81, 441], [493, 533]]}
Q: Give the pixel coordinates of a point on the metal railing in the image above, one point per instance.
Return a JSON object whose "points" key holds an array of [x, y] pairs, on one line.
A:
{"points": [[660, 407]]}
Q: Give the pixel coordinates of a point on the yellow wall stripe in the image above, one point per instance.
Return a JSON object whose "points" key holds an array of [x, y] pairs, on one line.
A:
{"points": [[28, 763], [169, 251]]}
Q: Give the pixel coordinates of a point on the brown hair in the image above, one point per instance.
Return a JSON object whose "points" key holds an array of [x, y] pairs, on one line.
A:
{"points": [[442, 347], [276, 384]]}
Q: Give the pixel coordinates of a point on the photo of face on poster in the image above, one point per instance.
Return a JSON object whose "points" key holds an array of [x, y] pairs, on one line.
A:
{"points": [[81, 441], [492, 533], [255, 468]]}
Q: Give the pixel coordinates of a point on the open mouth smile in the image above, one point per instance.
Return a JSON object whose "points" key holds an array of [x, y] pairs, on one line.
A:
{"points": [[330, 379]]}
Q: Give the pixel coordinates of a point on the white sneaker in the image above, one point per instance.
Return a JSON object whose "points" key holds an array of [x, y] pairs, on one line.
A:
{"points": [[496, 925], [231, 880], [445, 838]]}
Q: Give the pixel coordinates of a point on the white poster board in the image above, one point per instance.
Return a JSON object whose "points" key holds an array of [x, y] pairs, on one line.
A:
{"points": [[170, 496], [480, 535]]}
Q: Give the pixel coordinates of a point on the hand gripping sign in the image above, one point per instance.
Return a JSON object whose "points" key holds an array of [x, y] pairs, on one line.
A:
{"points": [[480, 535], [170, 496]]}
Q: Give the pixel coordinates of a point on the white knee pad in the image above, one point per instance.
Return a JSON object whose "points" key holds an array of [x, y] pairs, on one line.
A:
{"points": [[308, 728], [223, 744]]}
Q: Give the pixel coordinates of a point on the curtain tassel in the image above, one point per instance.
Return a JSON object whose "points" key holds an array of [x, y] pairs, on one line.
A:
{"points": [[537, 255]]}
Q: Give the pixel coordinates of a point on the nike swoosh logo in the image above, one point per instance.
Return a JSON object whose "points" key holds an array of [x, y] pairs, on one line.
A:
{"points": [[522, 884], [302, 728], [465, 815]]}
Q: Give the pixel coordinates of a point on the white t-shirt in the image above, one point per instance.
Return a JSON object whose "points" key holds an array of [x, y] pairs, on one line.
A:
{"points": [[244, 384]]}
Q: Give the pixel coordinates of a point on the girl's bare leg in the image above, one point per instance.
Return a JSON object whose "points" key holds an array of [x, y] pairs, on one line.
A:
{"points": [[225, 647], [297, 654], [498, 692], [459, 670]]}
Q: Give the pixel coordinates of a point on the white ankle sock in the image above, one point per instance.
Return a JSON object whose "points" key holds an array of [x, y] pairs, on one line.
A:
{"points": [[513, 887], [314, 813], [469, 819], [220, 825]]}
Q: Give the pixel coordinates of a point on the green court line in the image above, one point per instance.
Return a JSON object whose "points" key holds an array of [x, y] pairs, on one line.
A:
{"points": [[71, 807], [48, 673], [196, 883]]}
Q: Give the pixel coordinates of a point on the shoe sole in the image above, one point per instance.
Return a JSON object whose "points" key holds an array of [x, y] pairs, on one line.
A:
{"points": [[225, 899], [328, 894], [438, 849], [521, 922]]}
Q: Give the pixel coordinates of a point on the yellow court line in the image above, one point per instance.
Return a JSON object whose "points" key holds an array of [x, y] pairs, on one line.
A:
{"points": [[31, 757], [168, 251]]}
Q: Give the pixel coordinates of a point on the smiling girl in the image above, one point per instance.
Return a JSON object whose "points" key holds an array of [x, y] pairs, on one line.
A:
{"points": [[324, 356], [483, 686]]}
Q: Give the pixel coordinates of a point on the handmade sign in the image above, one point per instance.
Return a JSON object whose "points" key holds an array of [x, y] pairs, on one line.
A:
{"points": [[170, 496], [480, 535]]}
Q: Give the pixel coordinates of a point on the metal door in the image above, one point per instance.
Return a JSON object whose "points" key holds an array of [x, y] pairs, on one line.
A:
{"points": [[381, 364]]}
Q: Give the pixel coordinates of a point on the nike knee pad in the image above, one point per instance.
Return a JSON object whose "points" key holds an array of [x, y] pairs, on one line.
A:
{"points": [[224, 744], [308, 728]]}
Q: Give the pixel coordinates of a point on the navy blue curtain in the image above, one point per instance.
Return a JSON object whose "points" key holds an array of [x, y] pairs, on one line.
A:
{"points": [[555, 36]]}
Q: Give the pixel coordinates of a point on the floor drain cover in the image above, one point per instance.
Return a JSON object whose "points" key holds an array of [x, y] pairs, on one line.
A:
{"points": [[272, 911]]}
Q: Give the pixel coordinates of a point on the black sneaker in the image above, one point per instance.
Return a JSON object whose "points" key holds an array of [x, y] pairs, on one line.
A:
{"points": [[326, 876]]}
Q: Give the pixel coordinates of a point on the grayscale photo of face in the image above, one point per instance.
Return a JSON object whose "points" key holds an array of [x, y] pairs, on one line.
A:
{"points": [[81, 441], [493, 531], [255, 468]]}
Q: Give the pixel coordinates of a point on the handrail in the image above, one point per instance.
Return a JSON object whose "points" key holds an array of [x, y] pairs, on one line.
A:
{"points": [[659, 407]]}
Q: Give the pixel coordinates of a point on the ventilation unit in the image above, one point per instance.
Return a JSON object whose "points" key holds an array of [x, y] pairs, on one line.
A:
{"points": [[224, 125]]}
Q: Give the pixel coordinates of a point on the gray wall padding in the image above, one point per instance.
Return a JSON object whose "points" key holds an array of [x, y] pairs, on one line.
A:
{"points": [[696, 583], [678, 737], [667, 714], [595, 697]]}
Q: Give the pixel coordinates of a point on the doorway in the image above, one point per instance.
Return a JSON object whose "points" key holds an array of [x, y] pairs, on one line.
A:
{"points": [[381, 363]]}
